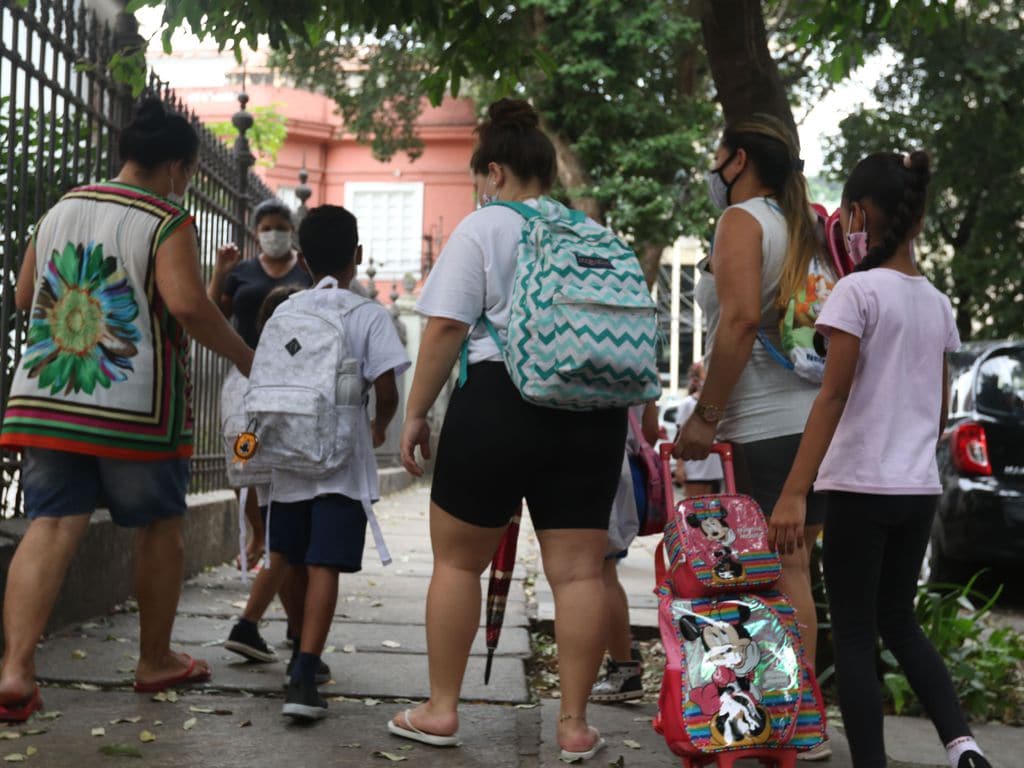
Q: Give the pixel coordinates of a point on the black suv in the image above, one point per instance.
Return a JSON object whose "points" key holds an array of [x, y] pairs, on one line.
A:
{"points": [[980, 520]]}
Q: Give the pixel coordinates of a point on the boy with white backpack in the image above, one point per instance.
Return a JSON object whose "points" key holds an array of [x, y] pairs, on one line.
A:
{"points": [[318, 357]]}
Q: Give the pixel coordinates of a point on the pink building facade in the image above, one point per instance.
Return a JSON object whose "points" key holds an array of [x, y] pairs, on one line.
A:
{"points": [[406, 209]]}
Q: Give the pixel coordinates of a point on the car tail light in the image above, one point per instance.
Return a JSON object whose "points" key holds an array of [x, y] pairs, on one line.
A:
{"points": [[969, 449]]}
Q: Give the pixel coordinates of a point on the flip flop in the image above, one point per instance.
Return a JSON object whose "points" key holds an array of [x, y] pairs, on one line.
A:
{"points": [[184, 678], [578, 757], [20, 711], [415, 734]]}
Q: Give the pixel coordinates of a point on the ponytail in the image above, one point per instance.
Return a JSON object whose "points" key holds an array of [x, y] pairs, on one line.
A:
{"points": [[898, 186], [775, 152]]}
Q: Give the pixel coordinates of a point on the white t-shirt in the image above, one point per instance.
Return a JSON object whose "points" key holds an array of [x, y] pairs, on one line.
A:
{"points": [[474, 275], [373, 340], [886, 438]]}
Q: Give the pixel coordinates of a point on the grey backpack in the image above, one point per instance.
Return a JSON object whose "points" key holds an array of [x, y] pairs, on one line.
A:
{"points": [[306, 395]]}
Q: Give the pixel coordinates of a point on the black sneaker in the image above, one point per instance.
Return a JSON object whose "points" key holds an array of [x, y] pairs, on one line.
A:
{"points": [[622, 681], [972, 759], [245, 640], [302, 702], [323, 672]]}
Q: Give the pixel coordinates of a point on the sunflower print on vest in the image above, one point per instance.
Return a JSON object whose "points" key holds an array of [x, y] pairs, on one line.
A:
{"points": [[82, 330]]}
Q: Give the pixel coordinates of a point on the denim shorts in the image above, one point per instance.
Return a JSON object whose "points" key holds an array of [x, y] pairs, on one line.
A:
{"points": [[137, 493], [328, 531]]}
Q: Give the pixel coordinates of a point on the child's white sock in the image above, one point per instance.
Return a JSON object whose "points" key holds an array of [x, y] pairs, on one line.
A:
{"points": [[959, 747]]}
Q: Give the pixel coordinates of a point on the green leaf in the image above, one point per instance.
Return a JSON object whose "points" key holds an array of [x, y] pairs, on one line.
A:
{"points": [[120, 750]]}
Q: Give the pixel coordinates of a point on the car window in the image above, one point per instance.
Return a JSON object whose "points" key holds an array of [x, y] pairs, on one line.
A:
{"points": [[1000, 385], [961, 398]]}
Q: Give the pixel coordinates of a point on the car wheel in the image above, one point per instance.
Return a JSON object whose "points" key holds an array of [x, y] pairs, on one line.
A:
{"points": [[940, 568]]}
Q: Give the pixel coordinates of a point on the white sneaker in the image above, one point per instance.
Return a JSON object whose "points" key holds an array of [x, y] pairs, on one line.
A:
{"points": [[623, 681], [821, 751]]}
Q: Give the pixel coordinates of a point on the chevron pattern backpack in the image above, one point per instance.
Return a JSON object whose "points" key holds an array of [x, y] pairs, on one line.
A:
{"points": [[582, 329]]}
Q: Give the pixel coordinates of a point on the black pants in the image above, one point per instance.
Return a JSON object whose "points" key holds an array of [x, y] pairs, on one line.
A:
{"points": [[874, 546]]}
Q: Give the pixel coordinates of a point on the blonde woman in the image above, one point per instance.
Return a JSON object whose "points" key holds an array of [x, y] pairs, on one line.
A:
{"points": [[763, 246]]}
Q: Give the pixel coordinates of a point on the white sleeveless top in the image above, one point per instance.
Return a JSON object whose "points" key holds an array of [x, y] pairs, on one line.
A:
{"points": [[768, 400]]}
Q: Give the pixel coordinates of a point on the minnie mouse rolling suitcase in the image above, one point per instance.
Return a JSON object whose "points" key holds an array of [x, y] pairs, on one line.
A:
{"points": [[736, 683]]}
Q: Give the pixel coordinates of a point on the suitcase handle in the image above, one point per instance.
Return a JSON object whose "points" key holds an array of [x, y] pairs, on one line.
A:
{"points": [[724, 451]]}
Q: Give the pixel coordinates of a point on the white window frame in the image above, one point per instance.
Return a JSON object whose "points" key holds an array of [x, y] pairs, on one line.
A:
{"points": [[352, 188]]}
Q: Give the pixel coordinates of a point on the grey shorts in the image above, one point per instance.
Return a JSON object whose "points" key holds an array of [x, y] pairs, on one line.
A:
{"points": [[137, 493], [761, 468]]}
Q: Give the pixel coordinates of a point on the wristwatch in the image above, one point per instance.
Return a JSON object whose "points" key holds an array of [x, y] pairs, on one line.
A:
{"points": [[710, 413]]}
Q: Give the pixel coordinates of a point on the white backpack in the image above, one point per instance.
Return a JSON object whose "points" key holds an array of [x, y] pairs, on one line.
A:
{"points": [[306, 395], [233, 422]]}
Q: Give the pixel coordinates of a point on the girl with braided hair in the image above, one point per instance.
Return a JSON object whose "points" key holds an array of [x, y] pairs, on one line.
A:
{"points": [[870, 442]]}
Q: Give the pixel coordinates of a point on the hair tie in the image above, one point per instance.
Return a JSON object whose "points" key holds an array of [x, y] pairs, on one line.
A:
{"points": [[798, 165]]}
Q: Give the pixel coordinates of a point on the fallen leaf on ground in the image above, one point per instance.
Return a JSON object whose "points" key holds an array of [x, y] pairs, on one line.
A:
{"points": [[86, 687], [404, 748], [389, 756], [157, 723], [78, 655], [329, 649], [245, 724], [17, 757], [391, 644], [527, 706], [632, 744], [99, 732], [119, 720], [120, 750], [169, 696], [209, 710], [126, 670], [35, 732], [52, 715], [239, 604], [8, 735], [378, 604], [31, 751], [371, 702], [349, 648], [619, 763], [146, 736], [189, 724], [353, 745]]}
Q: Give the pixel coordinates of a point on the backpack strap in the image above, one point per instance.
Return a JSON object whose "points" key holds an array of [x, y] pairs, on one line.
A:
{"points": [[524, 210], [464, 351]]}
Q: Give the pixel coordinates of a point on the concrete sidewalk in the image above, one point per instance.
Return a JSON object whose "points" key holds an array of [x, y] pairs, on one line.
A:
{"points": [[377, 654]]}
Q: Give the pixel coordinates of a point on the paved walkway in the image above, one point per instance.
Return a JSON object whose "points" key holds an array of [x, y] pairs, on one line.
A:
{"points": [[377, 652]]}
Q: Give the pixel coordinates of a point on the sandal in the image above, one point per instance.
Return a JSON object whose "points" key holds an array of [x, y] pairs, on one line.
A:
{"points": [[415, 734], [578, 757], [183, 678], [20, 711]]}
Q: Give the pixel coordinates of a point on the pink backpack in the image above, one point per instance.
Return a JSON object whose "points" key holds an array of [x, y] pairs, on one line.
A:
{"points": [[716, 544], [654, 520], [736, 683]]}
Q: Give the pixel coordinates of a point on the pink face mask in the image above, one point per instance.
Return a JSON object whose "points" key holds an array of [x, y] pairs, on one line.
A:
{"points": [[857, 244]]}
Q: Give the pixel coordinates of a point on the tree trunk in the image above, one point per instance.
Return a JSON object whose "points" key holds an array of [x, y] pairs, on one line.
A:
{"points": [[650, 260], [573, 175], [746, 76]]}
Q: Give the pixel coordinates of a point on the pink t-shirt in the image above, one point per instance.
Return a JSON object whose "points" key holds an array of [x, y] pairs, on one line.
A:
{"points": [[885, 442]]}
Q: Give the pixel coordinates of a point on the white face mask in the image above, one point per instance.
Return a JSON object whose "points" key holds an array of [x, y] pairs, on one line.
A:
{"points": [[174, 197], [276, 243]]}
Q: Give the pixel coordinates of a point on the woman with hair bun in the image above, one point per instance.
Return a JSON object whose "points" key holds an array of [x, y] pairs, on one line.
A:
{"points": [[99, 407], [495, 449], [764, 243], [870, 445]]}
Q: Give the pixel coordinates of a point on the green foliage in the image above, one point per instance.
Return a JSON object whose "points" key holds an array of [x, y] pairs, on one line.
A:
{"points": [[472, 38], [378, 85], [267, 135], [616, 96], [985, 662], [958, 92]]}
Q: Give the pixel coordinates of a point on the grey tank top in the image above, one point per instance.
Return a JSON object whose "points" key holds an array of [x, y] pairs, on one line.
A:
{"points": [[768, 400]]}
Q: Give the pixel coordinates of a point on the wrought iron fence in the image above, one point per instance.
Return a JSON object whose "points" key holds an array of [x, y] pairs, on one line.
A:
{"points": [[60, 116]]}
